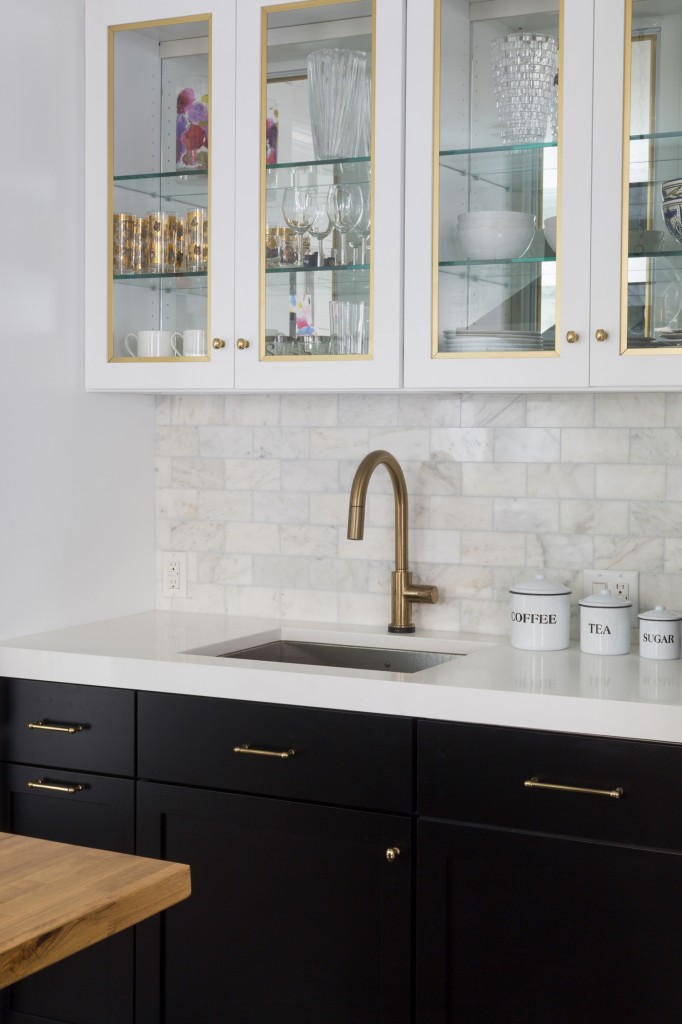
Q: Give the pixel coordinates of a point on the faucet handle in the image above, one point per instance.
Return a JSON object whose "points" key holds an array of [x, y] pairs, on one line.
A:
{"points": [[421, 593]]}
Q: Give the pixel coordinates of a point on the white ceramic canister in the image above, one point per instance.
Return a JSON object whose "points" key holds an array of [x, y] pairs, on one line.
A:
{"points": [[540, 615], [605, 624], [659, 634]]}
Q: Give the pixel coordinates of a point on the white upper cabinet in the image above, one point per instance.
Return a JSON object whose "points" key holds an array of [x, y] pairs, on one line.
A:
{"points": [[375, 194], [591, 298], [236, 235]]}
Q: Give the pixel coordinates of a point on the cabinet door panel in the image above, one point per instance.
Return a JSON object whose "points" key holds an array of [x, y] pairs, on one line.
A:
{"points": [[263, 294], [499, 315], [296, 915], [94, 986], [527, 929], [174, 43]]}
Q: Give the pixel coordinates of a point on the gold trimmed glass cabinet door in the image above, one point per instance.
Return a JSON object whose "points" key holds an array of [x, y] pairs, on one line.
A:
{"points": [[159, 136], [636, 329], [319, 194], [497, 194]]}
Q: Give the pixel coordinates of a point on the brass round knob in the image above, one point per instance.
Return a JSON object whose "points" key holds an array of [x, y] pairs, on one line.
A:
{"points": [[218, 343], [392, 853], [601, 335], [572, 337], [242, 343]]}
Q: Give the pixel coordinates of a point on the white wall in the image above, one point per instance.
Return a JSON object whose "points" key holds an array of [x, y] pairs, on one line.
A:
{"points": [[76, 470]]}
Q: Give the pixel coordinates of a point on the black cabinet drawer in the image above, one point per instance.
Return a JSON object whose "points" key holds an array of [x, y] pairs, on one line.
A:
{"points": [[478, 774], [338, 757], [90, 728], [68, 807]]}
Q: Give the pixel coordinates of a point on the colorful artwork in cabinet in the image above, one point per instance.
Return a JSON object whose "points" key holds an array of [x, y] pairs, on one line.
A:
{"points": [[191, 133]]}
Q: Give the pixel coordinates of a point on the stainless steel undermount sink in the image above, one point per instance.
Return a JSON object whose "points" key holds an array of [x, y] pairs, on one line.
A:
{"points": [[374, 659]]}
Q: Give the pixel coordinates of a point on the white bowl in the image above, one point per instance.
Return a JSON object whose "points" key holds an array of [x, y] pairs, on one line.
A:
{"points": [[496, 240], [550, 232], [499, 216]]}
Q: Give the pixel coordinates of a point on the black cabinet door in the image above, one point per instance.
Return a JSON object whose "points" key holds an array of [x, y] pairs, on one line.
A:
{"points": [[297, 915], [96, 985], [524, 928]]}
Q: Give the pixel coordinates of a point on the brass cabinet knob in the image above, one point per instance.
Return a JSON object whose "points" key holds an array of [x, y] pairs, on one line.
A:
{"points": [[392, 853], [218, 343], [601, 334], [572, 337], [242, 343]]}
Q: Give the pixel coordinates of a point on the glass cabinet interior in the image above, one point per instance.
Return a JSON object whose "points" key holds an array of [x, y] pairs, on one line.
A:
{"points": [[316, 185], [159, 145], [652, 221], [498, 81]]}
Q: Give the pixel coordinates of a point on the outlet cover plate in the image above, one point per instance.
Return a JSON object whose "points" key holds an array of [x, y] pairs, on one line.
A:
{"points": [[614, 580], [174, 574]]}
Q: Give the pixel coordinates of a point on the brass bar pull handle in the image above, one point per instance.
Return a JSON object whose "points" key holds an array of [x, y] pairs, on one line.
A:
{"points": [[533, 783], [246, 749], [39, 784], [55, 728]]}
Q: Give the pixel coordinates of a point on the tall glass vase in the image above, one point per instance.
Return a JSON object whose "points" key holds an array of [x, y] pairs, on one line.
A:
{"points": [[337, 97], [525, 69]]}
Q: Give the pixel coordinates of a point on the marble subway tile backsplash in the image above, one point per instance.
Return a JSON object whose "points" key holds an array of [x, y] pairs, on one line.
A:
{"points": [[255, 490]]}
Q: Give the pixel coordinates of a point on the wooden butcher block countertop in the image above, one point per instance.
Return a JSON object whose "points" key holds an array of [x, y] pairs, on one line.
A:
{"points": [[56, 899]]}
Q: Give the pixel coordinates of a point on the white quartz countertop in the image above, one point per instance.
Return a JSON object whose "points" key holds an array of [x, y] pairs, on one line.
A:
{"points": [[491, 683]]}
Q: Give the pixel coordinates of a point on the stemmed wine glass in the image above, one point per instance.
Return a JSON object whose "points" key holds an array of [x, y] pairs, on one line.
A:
{"points": [[344, 206], [320, 225], [357, 238], [298, 208]]}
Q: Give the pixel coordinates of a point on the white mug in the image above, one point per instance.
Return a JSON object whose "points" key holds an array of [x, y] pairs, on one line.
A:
{"points": [[151, 344], [193, 343]]}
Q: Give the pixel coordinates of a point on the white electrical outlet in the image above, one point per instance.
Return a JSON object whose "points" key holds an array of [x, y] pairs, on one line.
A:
{"points": [[174, 569], [621, 583]]}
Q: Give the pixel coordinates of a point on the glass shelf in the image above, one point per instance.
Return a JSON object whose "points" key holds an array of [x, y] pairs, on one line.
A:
{"points": [[173, 186], [304, 164], [344, 269], [181, 283], [445, 264]]}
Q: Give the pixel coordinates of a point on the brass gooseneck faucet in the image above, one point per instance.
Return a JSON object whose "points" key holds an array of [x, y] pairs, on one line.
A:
{"points": [[404, 593]]}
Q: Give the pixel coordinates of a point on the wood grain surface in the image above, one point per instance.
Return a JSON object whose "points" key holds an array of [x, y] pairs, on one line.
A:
{"points": [[56, 899]]}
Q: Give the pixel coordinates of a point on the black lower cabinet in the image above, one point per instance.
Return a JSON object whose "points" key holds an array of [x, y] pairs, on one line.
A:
{"points": [[299, 913], [525, 928], [96, 985]]}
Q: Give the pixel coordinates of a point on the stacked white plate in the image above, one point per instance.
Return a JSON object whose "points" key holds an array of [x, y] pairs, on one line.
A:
{"points": [[467, 339]]}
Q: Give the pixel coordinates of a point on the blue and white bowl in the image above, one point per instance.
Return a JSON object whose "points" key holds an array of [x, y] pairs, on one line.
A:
{"points": [[672, 217], [671, 189]]}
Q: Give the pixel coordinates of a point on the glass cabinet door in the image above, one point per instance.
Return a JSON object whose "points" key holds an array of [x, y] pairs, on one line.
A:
{"points": [[157, 120], [160, 145], [502, 124], [318, 210], [650, 220]]}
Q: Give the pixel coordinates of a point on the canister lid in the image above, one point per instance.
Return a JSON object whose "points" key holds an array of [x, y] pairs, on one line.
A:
{"points": [[661, 614], [539, 585], [604, 600]]}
